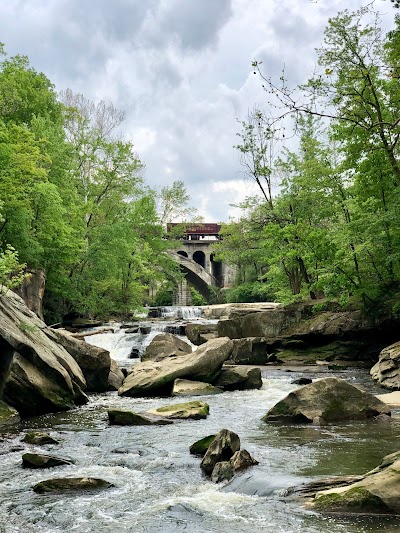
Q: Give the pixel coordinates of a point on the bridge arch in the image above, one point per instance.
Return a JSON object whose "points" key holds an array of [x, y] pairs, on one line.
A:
{"points": [[182, 253], [199, 257]]}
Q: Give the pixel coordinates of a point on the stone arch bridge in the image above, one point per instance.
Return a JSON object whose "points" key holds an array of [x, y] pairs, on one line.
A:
{"points": [[196, 256]]}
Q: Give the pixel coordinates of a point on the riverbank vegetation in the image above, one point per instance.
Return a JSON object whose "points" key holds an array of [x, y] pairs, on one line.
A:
{"points": [[73, 201], [327, 221]]}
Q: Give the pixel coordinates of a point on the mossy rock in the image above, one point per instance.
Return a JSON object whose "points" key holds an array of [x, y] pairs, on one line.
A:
{"points": [[8, 415], [123, 417], [355, 500], [201, 446], [38, 460], [38, 437], [75, 484], [193, 410]]}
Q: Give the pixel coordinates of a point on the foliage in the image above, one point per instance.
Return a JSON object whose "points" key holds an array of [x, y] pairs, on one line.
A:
{"points": [[334, 228], [11, 271], [197, 298], [252, 291], [73, 201]]}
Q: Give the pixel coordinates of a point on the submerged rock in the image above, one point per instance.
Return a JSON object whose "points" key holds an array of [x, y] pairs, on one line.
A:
{"points": [[165, 345], [221, 449], [239, 378], [201, 446], [157, 377], [123, 417], [8, 415], [192, 410], [329, 399], [71, 484], [185, 387], [387, 370], [39, 460], [302, 381], [377, 493], [38, 437]]}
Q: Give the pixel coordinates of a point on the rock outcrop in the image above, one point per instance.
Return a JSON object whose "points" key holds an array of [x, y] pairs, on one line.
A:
{"points": [[378, 492], [387, 370], [165, 345], [326, 400], [299, 331], [157, 377], [37, 375]]}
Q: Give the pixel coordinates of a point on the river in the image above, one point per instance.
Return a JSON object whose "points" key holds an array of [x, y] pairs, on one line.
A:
{"points": [[159, 486]]}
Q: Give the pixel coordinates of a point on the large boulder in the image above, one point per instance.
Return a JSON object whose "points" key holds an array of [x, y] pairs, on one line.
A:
{"points": [[157, 377], [328, 399], [387, 370], [94, 362], [221, 449], [183, 411], [239, 378], [377, 493], [185, 387], [8, 415], [165, 345], [37, 375]]}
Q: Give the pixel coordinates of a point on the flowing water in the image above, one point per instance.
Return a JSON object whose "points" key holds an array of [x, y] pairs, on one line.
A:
{"points": [[159, 486]]}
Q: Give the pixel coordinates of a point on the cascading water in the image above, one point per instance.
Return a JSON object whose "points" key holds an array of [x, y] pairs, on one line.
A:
{"points": [[181, 312], [120, 342]]}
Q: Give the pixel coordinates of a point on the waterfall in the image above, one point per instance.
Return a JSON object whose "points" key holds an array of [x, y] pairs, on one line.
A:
{"points": [[181, 312]]}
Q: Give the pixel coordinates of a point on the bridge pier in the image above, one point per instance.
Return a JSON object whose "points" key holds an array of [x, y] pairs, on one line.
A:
{"points": [[182, 295]]}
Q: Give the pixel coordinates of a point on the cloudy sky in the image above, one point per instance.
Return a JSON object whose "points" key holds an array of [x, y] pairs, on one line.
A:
{"points": [[180, 69]]}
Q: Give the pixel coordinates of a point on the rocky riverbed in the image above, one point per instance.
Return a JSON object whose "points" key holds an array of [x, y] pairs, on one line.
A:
{"points": [[143, 478]]}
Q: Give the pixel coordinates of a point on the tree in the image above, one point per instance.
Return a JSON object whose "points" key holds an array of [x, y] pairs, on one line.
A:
{"points": [[173, 203], [257, 151]]}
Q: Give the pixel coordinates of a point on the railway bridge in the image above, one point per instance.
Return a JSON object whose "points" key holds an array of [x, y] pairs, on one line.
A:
{"points": [[196, 255]]}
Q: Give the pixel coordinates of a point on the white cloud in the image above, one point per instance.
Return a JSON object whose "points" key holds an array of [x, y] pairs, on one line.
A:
{"points": [[181, 69]]}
